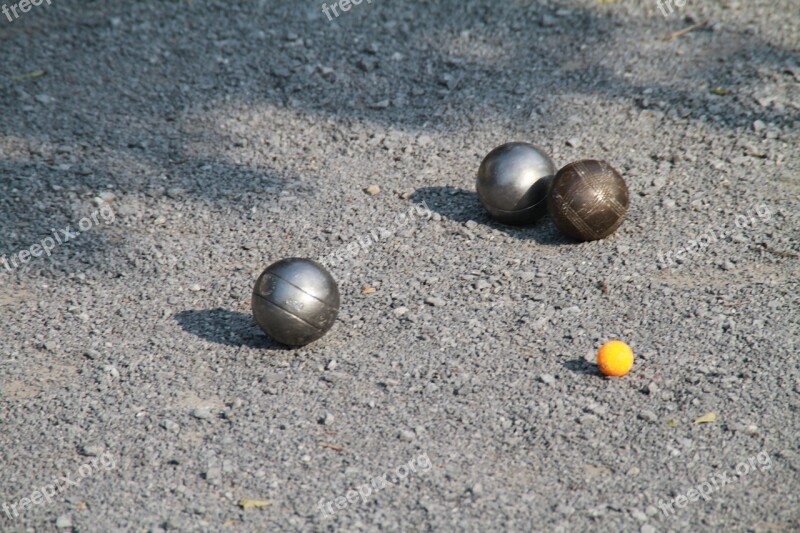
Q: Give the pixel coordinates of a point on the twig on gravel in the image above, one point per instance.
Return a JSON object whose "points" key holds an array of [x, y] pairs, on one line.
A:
{"points": [[706, 418], [254, 504], [684, 31], [779, 253], [334, 447], [30, 75]]}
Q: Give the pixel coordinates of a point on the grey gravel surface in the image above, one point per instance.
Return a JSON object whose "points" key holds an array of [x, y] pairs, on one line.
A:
{"points": [[223, 136]]}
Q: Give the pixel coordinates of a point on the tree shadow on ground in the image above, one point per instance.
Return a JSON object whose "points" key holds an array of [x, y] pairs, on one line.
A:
{"points": [[148, 95], [455, 56]]}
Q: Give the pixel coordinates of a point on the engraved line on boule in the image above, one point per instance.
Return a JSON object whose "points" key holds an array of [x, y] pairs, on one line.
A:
{"points": [[572, 215], [323, 302], [603, 187], [600, 182], [599, 185], [579, 223], [291, 314]]}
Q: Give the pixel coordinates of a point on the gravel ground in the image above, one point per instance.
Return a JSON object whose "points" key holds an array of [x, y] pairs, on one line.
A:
{"points": [[211, 138]]}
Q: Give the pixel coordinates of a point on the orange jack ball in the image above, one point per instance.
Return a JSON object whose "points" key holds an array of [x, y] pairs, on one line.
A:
{"points": [[615, 358]]}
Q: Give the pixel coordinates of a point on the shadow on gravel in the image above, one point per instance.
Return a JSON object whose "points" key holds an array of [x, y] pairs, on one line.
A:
{"points": [[461, 205], [146, 107], [581, 366], [226, 327], [458, 56]]}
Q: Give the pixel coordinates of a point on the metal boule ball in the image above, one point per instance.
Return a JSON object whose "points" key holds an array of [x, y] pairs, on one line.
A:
{"points": [[513, 180], [588, 200], [295, 301]]}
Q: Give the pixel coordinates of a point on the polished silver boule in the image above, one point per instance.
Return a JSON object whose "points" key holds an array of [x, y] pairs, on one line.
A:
{"points": [[295, 301], [513, 181]]}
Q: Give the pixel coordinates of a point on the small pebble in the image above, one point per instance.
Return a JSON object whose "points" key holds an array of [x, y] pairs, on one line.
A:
{"points": [[175, 192], [564, 509], [170, 426], [127, 210], [435, 302], [367, 65], [650, 416], [548, 21], [213, 475], [326, 72], [406, 435], [482, 285], [372, 190], [64, 521], [107, 197], [202, 413], [91, 450], [547, 379]]}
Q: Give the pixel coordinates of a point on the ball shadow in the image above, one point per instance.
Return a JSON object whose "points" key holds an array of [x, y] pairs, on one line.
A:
{"points": [[461, 205], [223, 326], [581, 366]]}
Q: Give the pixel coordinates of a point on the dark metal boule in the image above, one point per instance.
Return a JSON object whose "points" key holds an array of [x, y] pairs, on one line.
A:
{"points": [[512, 183], [295, 301], [588, 200]]}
